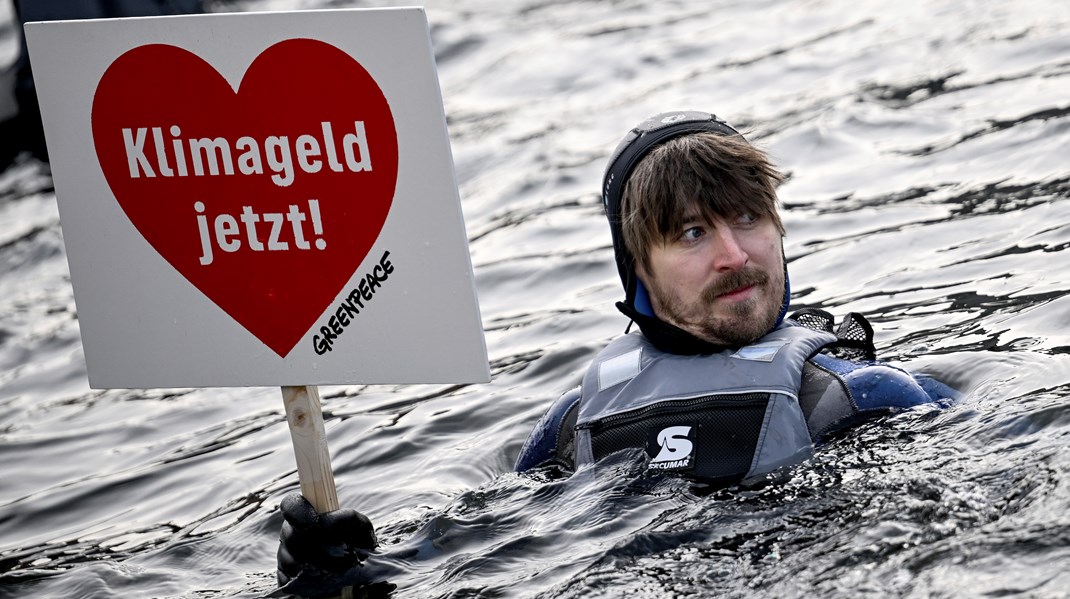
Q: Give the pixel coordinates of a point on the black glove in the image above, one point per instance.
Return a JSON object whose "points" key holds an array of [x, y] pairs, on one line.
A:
{"points": [[324, 546]]}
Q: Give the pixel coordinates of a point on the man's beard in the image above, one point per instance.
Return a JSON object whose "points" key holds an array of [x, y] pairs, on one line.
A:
{"points": [[740, 323]]}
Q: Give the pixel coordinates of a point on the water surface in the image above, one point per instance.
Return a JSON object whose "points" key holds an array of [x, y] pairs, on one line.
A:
{"points": [[927, 145]]}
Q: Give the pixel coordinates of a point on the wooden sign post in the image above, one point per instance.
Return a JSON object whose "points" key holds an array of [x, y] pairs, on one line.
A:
{"points": [[305, 419], [269, 195]]}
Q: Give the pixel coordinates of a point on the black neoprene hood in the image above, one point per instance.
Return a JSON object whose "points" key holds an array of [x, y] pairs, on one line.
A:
{"points": [[646, 136]]}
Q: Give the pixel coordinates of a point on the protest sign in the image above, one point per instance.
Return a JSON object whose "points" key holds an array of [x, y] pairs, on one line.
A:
{"points": [[258, 199]]}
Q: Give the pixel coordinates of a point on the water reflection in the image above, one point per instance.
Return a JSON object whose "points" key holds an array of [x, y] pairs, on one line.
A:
{"points": [[926, 146]]}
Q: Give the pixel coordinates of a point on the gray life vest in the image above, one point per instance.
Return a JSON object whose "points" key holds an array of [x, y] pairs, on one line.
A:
{"points": [[724, 417]]}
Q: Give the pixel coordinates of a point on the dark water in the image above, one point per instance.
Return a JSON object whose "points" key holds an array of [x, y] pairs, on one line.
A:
{"points": [[928, 144]]}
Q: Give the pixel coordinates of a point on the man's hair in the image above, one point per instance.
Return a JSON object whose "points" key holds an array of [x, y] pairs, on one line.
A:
{"points": [[723, 176]]}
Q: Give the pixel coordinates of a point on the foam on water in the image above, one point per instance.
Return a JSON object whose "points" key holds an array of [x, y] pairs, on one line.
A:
{"points": [[926, 142]]}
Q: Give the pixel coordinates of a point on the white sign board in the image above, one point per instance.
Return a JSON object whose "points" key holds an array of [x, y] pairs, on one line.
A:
{"points": [[258, 199]]}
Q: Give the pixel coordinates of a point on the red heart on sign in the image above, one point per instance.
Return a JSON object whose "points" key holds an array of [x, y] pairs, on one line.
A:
{"points": [[266, 199]]}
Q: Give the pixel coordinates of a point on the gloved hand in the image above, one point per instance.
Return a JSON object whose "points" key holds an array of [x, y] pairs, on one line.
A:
{"points": [[321, 546]]}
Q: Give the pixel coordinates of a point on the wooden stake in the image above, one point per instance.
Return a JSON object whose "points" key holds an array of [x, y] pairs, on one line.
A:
{"points": [[305, 417]]}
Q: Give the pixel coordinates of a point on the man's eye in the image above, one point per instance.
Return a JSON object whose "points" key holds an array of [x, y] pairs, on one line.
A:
{"points": [[746, 219], [692, 234]]}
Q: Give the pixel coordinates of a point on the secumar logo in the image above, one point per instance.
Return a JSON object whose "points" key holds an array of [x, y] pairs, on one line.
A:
{"points": [[675, 449]]}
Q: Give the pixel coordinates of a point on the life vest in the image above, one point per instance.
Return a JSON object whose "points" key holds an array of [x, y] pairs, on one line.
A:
{"points": [[720, 417]]}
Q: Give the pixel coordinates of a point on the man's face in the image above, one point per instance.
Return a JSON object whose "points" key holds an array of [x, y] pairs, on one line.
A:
{"points": [[722, 281]]}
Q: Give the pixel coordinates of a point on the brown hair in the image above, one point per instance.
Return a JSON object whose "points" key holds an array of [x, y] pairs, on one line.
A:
{"points": [[725, 176]]}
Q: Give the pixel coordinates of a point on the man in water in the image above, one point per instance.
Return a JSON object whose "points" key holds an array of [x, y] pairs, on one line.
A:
{"points": [[718, 385]]}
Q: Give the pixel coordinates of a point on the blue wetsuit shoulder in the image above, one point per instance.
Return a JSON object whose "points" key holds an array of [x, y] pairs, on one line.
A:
{"points": [[880, 386], [542, 444]]}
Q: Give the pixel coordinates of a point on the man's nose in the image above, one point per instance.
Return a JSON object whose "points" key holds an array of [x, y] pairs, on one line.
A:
{"points": [[728, 253]]}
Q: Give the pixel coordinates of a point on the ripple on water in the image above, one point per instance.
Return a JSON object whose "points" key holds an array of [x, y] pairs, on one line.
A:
{"points": [[928, 189]]}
